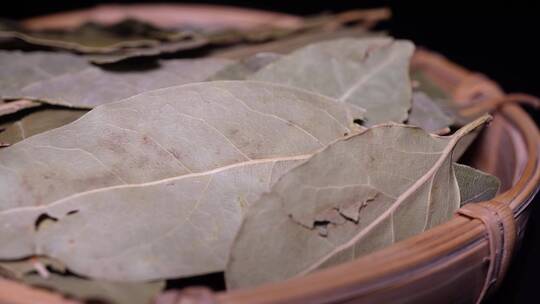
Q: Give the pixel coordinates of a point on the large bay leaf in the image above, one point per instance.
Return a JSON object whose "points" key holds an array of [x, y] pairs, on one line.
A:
{"points": [[355, 196], [193, 128], [65, 79], [372, 73], [185, 161], [475, 185]]}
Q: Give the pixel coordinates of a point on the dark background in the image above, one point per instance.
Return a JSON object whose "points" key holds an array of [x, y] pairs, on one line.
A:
{"points": [[499, 39]]}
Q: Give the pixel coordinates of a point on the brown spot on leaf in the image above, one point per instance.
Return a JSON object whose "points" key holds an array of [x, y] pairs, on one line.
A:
{"points": [[71, 212], [146, 140]]}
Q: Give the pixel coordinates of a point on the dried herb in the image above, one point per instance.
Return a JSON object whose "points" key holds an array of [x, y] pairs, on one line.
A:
{"points": [[96, 290], [20, 268], [245, 67], [475, 185], [371, 73], [153, 169], [428, 115], [357, 195], [210, 146], [65, 79], [51, 274], [95, 38]]}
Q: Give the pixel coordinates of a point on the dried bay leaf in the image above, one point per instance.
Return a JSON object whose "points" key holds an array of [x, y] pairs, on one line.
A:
{"points": [[289, 44], [372, 73], [38, 122], [231, 42], [245, 67], [89, 37], [355, 196], [19, 268], [426, 114], [169, 47], [475, 185], [96, 290], [227, 103], [105, 44], [27, 271], [68, 80], [189, 223], [186, 161], [422, 84], [21, 69], [266, 33], [270, 32]]}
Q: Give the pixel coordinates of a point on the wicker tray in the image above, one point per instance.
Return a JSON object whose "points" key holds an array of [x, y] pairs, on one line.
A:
{"points": [[457, 262]]}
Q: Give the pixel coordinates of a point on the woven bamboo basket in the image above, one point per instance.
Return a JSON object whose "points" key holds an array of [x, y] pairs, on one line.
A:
{"points": [[460, 261]]}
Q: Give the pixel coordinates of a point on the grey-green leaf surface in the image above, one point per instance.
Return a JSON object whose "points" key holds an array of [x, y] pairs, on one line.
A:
{"points": [[427, 114], [97, 290], [104, 44], [168, 47], [37, 122], [289, 44], [69, 80], [424, 84], [211, 40], [355, 196], [372, 73], [442, 99], [245, 67], [185, 161], [475, 185], [89, 37]]}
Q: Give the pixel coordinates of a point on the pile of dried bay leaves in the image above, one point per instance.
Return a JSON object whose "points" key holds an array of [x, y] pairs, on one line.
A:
{"points": [[135, 156]]}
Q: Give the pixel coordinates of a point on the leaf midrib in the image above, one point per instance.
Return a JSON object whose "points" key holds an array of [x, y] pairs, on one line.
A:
{"points": [[156, 182], [420, 182]]}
